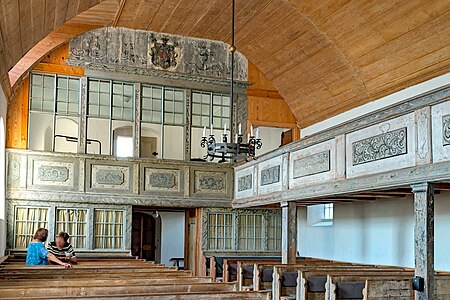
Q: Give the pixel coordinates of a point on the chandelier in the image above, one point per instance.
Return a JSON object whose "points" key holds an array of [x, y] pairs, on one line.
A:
{"points": [[226, 149]]}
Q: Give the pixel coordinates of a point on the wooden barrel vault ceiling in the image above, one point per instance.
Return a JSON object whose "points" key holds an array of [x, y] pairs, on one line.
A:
{"points": [[324, 57]]}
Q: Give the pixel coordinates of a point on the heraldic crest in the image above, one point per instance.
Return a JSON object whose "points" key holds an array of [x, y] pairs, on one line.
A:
{"points": [[164, 54]]}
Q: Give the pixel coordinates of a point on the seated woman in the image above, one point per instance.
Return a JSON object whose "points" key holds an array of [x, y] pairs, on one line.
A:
{"points": [[62, 249], [38, 255]]}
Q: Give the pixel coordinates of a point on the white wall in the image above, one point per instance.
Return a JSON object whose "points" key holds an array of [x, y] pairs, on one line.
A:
{"points": [[377, 104], [270, 138], [3, 109], [172, 236], [380, 232]]}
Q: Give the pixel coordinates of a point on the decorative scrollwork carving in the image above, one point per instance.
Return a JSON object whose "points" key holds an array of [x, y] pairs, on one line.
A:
{"points": [[446, 130], [385, 145]]}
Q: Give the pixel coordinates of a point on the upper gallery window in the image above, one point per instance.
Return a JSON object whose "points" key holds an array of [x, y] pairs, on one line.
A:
{"points": [[208, 108], [54, 112], [162, 122], [109, 117]]}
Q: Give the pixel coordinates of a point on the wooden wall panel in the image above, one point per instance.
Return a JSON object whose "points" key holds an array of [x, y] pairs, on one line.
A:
{"points": [[266, 107], [17, 118]]}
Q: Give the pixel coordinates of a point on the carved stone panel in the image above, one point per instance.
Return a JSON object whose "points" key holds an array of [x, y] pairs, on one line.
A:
{"points": [[155, 51], [270, 175], [164, 180], [110, 177], [245, 183], [382, 147], [52, 173], [446, 130], [210, 182], [312, 164], [385, 145]]}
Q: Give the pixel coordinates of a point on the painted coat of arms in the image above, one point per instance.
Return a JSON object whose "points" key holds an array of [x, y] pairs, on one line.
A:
{"points": [[163, 53]]}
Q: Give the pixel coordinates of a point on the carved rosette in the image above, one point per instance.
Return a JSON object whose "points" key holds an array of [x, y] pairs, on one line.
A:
{"points": [[389, 144]]}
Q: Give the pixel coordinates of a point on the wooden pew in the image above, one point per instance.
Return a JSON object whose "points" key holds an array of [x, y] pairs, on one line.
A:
{"points": [[179, 296], [25, 292]]}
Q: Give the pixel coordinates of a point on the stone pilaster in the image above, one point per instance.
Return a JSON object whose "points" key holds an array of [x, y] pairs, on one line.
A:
{"points": [[424, 237]]}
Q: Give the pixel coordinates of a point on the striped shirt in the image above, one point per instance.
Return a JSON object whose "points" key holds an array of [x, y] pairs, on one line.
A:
{"points": [[53, 249]]}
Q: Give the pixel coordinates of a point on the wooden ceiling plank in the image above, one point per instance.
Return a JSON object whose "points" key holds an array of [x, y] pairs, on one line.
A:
{"points": [[49, 17], [11, 33], [165, 10], [25, 24], [245, 11], [72, 8], [144, 14], [126, 13], [215, 22], [37, 29], [179, 15], [204, 9], [60, 12]]}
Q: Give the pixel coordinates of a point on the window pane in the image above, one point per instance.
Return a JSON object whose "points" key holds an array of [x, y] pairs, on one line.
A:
{"points": [[27, 221]]}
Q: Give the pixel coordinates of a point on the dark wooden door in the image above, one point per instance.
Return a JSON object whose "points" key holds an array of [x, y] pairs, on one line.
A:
{"points": [[143, 236]]}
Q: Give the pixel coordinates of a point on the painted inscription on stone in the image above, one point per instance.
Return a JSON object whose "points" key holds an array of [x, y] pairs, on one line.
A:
{"points": [[245, 182], [385, 145], [312, 164], [270, 175]]}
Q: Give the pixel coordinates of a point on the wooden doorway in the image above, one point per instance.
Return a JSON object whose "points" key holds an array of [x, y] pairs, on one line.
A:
{"points": [[144, 236]]}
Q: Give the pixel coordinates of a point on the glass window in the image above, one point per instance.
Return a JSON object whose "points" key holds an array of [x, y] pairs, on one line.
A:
{"points": [[162, 122], [54, 112], [221, 228], [328, 211], [74, 222], [108, 228], [210, 108], [251, 232], [27, 221], [110, 116], [274, 232]]}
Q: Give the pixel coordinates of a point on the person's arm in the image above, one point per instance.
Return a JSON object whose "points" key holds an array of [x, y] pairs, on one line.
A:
{"points": [[73, 259], [54, 259]]}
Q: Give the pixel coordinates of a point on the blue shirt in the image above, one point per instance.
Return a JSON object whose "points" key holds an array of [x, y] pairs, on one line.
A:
{"points": [[37, 254]]}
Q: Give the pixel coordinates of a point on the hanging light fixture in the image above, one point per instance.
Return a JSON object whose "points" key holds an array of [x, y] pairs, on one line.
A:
{"points": [[240, 149]]}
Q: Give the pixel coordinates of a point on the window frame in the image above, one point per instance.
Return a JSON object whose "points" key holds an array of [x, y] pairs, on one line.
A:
{"points": [[86, 233], [27, 207], [103, 236], [54, 113]]}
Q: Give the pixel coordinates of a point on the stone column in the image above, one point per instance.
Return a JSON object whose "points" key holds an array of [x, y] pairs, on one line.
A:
{"points": [[288, 232], [137, 121], [424, 237]]}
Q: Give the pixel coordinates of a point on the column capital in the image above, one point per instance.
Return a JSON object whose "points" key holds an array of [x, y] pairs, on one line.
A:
{"points": [[284, 204], [421, 187]]}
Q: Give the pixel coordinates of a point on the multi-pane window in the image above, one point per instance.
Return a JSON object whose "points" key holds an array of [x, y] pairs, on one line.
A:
{"points": [[274, 232], [251, 232], [74, 222], [110, 116], [162, 122], [27, 221], [108, 229], [210, 108], [328, 211], [221, 227], [151, 104], [54, 112]]}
